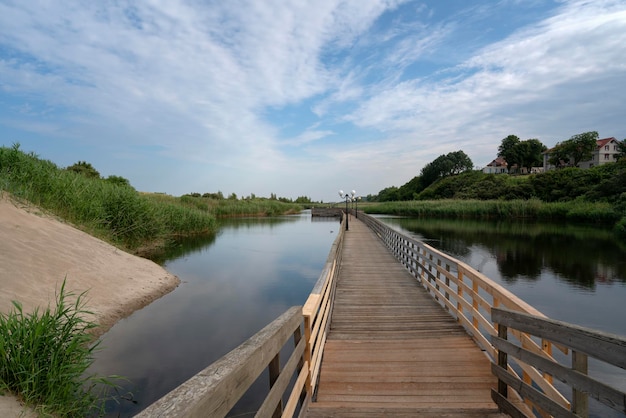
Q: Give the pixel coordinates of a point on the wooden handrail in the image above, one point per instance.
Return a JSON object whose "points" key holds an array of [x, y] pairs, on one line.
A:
{"points": [[317, 311], [469, 296], [583, 342], [216, 389]]}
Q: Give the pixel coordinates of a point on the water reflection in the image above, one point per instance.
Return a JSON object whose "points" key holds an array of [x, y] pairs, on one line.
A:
{"points": [[569, 272], [233, 284], [580, 255]]}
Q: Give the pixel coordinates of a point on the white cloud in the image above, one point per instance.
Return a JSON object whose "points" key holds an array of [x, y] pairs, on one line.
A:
{"points": [[383, 91]]}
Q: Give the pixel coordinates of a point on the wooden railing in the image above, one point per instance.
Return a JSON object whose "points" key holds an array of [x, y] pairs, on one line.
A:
{"points": [[317, 310], [469, 296], [583, 342], [215, 390]]}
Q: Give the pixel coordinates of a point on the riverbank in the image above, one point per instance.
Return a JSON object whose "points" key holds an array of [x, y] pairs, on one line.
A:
{"points": [[38, 251]]}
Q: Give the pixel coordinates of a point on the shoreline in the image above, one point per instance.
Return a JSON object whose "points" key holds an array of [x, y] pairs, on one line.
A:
{"points": [[38, 252]]}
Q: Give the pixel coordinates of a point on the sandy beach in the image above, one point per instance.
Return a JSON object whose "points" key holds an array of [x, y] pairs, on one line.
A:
{"points": [[37, 252]]}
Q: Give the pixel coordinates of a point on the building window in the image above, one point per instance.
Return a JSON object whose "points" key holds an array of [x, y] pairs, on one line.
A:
{"points": [[606, 156], [606, 147]]}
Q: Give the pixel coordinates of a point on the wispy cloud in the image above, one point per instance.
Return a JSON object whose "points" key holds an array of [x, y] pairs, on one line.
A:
{"points": [[379, 87]]}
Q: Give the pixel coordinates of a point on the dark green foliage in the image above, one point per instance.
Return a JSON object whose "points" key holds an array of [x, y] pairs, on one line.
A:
{"points": [[443, 166], [530, 154], [578, 148], [389, 194], [621, 147], [217, 196], [408, 190], [118, 180], [44, 356], [85, 169], [524, 154], [508, 150]]}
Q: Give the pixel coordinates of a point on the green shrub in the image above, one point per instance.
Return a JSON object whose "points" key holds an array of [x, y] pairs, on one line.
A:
{"points": [[44, 356]]}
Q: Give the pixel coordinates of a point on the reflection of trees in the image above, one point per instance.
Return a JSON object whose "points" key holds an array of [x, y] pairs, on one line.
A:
{"points": [[513, 263], [182, 246], [579, 255], [177, 248]]}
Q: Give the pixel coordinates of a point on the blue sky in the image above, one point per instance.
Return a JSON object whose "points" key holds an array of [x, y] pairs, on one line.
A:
{"points": [[302, 97]]}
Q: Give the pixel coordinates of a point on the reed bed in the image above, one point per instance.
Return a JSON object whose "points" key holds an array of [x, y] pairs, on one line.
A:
{"points": [[578, 211], [118, 213]]}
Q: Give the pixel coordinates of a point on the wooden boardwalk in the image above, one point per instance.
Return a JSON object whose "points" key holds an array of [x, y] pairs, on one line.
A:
{"points": [[392, 350]]}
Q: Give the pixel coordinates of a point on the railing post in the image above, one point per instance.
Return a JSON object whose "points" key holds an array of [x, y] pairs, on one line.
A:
{"points": [[274, 371], [580, 400], [447, 281], [308, 353], [459, 291], [502, 361], [297, 336], [474, 303]]}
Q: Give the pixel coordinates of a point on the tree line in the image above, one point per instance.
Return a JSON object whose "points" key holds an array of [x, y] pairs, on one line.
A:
{"points": [[517, 153]]}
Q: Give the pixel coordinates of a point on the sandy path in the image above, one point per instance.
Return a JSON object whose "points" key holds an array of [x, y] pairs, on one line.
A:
{"points": [[37, 252]]}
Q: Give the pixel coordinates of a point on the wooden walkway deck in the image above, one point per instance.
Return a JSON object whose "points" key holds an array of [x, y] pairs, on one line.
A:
{"points": [[392, 350]]}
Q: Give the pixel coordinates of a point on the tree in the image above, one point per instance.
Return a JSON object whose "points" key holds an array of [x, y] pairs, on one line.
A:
{"points": [[581, 146], [559, 156], [120, 181], [508, 149], [621, 147], [407, 190], [85, 169], [445, 165], [460, 162], [578, 148], [529, 153], [388, 194]]}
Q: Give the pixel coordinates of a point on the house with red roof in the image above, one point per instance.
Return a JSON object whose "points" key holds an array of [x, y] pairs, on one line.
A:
{"points": [[497, 166], [606, 151]]}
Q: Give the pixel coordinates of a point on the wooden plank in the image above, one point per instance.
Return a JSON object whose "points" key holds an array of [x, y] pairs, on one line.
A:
{"points": [[391, 346]]}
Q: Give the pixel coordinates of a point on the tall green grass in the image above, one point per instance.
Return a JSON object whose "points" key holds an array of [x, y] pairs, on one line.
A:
{"points": [[44, 356], [577, 211], [115, 212]]}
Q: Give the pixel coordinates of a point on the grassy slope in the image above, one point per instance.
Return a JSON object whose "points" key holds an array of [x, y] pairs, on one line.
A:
{"points": [[118, 213]]}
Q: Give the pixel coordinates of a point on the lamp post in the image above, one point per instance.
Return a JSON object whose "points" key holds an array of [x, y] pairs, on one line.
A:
{"points": [[348, 198], [356, 204]]}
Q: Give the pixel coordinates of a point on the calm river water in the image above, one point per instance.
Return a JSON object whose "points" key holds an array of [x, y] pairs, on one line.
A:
{"points": [[237, 282], [233, 284]]}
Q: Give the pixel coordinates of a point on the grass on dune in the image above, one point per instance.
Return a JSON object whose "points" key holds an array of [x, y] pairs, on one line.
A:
{"points": [[44, 356]]}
